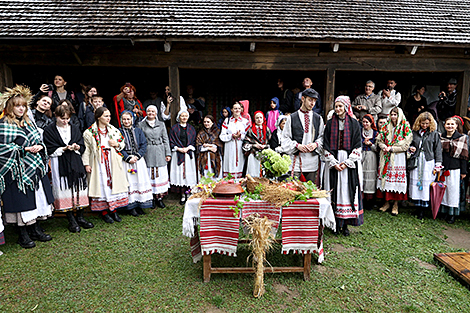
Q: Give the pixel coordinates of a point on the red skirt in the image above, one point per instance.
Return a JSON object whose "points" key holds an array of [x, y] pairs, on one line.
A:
{"points": [[390, 196]]}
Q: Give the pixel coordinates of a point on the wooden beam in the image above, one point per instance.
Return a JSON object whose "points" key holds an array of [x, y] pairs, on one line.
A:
{"points": [[6, 77], [330, 90], [463, 89], [174, 79]]}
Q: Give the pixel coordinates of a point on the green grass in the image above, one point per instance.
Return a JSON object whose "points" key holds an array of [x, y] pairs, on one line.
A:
{"points": [[144, 264]]}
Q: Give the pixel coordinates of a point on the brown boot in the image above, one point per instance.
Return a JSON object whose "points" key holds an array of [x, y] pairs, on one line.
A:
{"points": [[385, 207], [395, 208]]}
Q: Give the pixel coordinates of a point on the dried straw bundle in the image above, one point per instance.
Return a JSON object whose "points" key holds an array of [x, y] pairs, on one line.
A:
{"points": [[253, 182], [278, 195], [262, 241]]}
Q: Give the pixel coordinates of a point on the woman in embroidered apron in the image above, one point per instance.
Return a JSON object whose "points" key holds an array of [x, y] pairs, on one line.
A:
{"points": [[65, 146], [107, 181], [369, 159], [183, 174], [394, 139], [255, 141], [140, 187], [454, 160], [25, 189], [343, 168], [158, 155], [233, 133], [209, 148], [425, 161]]}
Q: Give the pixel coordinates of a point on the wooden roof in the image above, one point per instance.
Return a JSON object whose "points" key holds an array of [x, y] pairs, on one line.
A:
{"points": [[443, 22]]}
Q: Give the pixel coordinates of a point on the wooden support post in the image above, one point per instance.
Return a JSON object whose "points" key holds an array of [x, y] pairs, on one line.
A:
{"points": [[328, 101], [207, 266], [307, 265], [463, 89], [6, 77], [174, 79]]}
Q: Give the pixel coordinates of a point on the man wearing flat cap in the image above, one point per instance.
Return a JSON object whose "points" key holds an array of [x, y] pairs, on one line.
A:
{"points": [[303, 138], [447, 100]]}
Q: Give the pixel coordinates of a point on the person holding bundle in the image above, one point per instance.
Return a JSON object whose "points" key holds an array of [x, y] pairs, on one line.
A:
{"points": [[343, 167], [107, 181], [394, 139], [256, 140], [140, 187], [65, 146], [424, 162]]}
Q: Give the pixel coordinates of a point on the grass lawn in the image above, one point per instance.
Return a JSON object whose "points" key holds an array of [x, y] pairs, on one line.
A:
{"points": [[144, 264]]}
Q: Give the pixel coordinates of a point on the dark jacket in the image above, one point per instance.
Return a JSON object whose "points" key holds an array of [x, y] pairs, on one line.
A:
{"points": [[55, 98], [431, 145], [446, 106], [451, 163], [41, 119], [138, 147], [86, 116]]}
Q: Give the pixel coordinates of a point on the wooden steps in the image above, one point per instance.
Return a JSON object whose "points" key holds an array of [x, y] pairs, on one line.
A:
{"points": [[458, 263]]}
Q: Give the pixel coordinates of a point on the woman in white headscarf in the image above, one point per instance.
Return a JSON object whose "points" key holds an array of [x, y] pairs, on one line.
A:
{"points": [[276, 138], [183, 174]]}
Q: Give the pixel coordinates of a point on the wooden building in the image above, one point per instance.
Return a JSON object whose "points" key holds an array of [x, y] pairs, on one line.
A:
{"points": [[239, 48]]}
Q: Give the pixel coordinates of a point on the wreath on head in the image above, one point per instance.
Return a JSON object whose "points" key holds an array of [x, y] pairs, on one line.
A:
{"points": [[17, 91]]}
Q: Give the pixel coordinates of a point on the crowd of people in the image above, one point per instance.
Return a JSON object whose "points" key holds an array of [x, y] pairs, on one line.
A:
{"points": [[55, 159]]}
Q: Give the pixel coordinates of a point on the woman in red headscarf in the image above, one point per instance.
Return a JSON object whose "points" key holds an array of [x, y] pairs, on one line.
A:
{"points": [[127, 101], [256, 140], [369, 159]]}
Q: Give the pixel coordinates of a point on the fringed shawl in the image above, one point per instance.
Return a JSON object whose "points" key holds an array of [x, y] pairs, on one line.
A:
{"points": [[24, 167], [70, 163], [395, 136], [253, 138], [456, 146], [210, 137], [175, 140]]}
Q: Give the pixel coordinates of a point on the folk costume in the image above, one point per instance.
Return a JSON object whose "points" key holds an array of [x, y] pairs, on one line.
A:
{"points": [[107, 182], [158, 147], [24, 187], [304, 127], [427, 158], [140, 187], [369, 159], [275, 143], [127, 105], [208, 161], [255, 135], [69, 184], [246, 112], [454, 160], [183, 172], [234, 160], [342, 145], [392, 181], [272, 115]]}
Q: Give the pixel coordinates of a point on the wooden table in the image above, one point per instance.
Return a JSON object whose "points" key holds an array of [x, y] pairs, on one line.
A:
{"points": [[208, 269]]}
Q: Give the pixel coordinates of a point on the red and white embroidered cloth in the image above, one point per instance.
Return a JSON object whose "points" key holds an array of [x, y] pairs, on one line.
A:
{"points": [[219, 228], [263, 208], [300, 227]]}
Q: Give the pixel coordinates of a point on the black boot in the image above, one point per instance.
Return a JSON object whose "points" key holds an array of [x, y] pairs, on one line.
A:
{"points": [[82, 221], [420, 214], [133, 212], [154, 202], [36, 233], [345, 230], [160, 203], [140, 211], [450, 219], [107, 219], [73, 226], [115, 216], [24, 240]]}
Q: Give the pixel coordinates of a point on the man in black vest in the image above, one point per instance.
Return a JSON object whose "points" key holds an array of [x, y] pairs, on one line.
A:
{"points": [[303, 138]]}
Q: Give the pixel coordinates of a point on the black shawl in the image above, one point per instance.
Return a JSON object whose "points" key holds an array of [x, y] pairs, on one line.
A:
{"points": [[70, 163], [355, 141]]}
